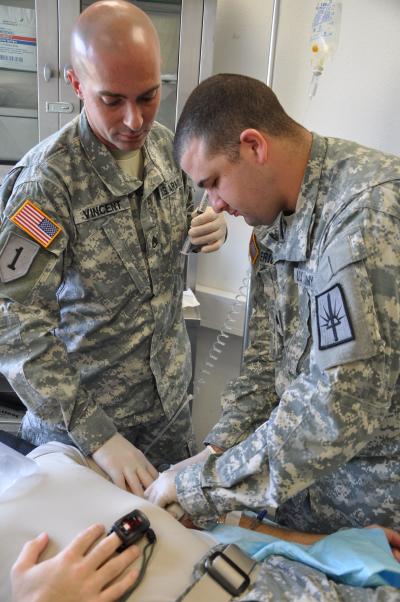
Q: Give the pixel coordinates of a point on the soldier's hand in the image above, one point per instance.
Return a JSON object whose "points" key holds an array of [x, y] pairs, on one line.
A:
{"points": [[199, 458], [163, 491], [208, 230], [126, 465]]}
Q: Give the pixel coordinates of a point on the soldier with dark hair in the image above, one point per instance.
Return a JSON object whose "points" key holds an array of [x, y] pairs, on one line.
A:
{"points": [[310, 431]]}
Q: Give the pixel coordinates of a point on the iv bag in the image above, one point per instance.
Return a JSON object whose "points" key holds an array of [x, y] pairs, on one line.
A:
{"points": [[324, 38]]}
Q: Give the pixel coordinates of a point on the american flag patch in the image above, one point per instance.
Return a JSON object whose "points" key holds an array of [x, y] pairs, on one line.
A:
{"points": [[36, 223]]}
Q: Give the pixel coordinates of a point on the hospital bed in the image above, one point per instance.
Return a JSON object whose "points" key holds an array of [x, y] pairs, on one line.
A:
{"points": [[71, 496]]}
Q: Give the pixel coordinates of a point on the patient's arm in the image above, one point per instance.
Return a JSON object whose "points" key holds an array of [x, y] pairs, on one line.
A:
{"points": [[281, 532], [247, 522], [84, 570]]}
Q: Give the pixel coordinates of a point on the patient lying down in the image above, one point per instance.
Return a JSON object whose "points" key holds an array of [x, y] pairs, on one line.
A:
{"points": [[73, 502]]}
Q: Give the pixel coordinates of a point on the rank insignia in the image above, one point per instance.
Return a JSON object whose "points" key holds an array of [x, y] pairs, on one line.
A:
{"points": [[254, 249], [333, 318], [36, 223]]}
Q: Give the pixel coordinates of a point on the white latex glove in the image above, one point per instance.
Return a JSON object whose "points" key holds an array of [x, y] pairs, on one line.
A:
{"points": [[87, 569], [125, 464], [208, 230], [163, 491], [199, 458]]}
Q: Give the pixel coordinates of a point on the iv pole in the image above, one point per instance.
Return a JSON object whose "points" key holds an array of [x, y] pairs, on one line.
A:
{"points": [[270, 76]]}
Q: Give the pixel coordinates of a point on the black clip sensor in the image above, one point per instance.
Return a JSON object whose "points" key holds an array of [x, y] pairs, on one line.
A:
{"points": [[131, 528]]}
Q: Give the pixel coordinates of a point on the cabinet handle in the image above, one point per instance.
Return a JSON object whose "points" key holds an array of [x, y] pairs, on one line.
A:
{"points": [[65, 72], [47, 72]]}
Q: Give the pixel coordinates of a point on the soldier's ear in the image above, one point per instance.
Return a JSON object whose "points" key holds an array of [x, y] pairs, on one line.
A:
{"points": [[75, 82], [254, 143]]}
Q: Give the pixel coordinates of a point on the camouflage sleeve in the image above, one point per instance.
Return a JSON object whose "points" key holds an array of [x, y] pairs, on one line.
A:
{"points": [[331, 412], [248, 400], [32, 357], [237, 479]]}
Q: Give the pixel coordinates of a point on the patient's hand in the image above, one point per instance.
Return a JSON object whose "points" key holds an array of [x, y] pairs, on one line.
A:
{"points": [[82, 571], [163, 490], [393, 538]]}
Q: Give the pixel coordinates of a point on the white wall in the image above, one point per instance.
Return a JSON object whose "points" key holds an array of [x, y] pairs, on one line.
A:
{"points": [[241, 46], [359, 91], [357, 98]]}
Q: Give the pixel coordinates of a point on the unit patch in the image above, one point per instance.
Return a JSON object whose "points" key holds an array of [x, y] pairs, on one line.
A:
{"points": [[36, 223], [333, 319], [254, 249], [16, 257]]}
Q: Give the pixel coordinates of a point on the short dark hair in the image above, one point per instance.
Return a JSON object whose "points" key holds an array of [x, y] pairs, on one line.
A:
{"points": [[224, 105]]}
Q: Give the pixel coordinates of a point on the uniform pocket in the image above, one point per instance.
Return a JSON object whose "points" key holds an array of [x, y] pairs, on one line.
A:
{"points": [[108, 264]]}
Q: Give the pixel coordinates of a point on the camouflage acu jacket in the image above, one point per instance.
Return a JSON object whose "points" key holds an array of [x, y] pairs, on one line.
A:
{"points": [[91, 331], [313, 423]]}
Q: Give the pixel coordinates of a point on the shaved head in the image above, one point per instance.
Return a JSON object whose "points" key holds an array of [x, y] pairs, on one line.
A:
{"points": [[109, 27], [116, 72]]}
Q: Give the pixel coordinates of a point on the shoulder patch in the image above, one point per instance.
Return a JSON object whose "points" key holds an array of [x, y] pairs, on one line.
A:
{"points": [[36, 223], [333, 318], [16, 257], [254, 249]]}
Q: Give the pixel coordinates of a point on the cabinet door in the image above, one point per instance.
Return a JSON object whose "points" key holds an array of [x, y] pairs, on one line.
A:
{"points": [[28, 74], [18, 82]]}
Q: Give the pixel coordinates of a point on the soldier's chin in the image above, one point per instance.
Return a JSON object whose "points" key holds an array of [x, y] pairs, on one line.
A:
{"points": [[252, 221]]}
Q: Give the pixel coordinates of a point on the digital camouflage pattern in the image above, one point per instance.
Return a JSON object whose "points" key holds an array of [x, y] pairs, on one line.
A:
{"points": [[278, 578], [312, 426], [92, 336]]}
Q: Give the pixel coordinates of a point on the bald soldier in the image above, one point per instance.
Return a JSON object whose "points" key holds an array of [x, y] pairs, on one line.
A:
{"points": [[311, 429], [92, 337]]}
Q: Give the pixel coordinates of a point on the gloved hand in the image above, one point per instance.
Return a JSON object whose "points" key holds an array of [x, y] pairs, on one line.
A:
{"points": [[208, 230], [163, 491], [125, 464], [199, 458]]}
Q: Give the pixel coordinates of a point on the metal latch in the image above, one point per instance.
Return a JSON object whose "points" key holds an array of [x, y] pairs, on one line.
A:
{"points": [[59, 107], [230, 569]]}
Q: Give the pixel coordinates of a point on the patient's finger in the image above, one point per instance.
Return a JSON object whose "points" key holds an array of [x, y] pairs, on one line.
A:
{"points": [[393, 538], [82, 542], [396, 554], [114, 567], [102, 551], [116, 590], [30, 552]]}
